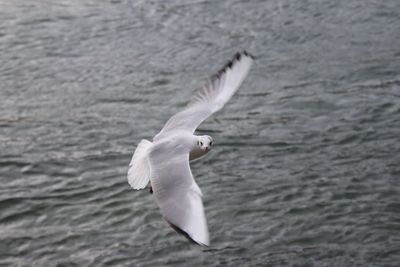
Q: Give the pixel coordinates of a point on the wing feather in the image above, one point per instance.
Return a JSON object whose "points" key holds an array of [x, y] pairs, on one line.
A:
{"points": [[139, 169], [214, 95], [177, 193]]}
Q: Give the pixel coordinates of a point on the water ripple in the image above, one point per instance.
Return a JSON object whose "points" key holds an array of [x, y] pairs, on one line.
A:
{"points": [[305, 164]]}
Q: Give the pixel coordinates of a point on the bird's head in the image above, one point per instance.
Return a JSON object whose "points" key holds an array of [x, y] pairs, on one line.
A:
{"points": [[205, 143]]}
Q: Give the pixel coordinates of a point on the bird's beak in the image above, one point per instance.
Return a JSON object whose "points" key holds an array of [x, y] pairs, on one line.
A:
{"points": [[206, 149]]}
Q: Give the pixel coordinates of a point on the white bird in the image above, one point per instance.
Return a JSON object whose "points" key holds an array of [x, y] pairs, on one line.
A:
{"points": [[165, 161]]}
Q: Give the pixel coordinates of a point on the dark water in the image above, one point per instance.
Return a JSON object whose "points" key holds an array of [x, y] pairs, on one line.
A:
{"points": [[305, 170]]}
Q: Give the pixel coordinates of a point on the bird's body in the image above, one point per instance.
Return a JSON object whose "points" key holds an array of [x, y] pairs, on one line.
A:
{"points": [[165, 161]]}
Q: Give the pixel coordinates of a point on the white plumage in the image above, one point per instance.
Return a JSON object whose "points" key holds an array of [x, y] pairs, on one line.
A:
{"points": [[139, 168], [165, 162]]}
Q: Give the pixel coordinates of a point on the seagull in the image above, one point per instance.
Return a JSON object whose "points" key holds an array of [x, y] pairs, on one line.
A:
{"points": [[164, 163]]}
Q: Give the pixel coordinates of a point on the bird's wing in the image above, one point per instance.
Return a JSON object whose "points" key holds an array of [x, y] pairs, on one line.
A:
{"points": [[176, 192], [139, 169], [218, 90]]}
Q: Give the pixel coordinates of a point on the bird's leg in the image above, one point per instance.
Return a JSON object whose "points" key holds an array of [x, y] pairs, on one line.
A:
{"points": [[151, 189]]}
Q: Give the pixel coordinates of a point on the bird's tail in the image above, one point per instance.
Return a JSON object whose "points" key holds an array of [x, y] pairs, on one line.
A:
{"points": [[139, 168]]}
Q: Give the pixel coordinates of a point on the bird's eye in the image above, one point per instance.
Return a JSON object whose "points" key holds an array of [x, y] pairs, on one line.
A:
{"points": [[211, 143], [201, 143]]}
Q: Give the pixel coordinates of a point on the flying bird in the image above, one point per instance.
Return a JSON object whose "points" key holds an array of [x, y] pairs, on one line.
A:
{"points": [[164, 163]]}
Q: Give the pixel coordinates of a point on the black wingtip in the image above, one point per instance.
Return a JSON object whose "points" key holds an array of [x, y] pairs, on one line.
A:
{"points": [[180, 231], [248, 54], [237, 56], [230, 63]]}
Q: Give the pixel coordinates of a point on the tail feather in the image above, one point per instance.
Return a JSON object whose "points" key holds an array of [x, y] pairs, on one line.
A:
{"points": [[139, 168]]}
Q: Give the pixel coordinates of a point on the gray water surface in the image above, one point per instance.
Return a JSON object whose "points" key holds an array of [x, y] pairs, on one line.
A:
{"points": [[306, 164]]}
